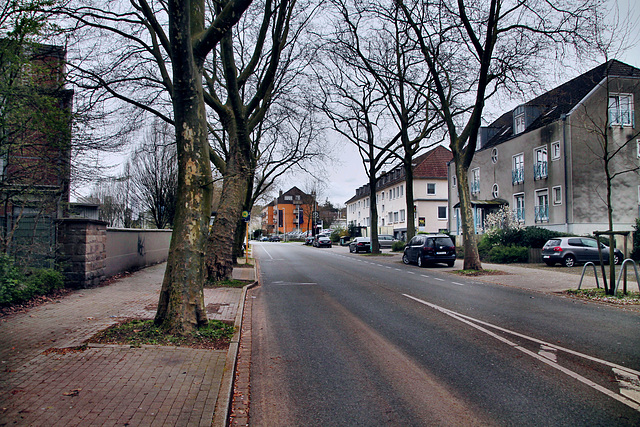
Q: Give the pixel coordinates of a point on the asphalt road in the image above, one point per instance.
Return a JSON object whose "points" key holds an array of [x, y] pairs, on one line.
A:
{"points": [[344, 339]]}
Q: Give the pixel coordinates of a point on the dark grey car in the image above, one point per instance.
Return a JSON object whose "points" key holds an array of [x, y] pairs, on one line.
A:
{"points": [[571, 250], [426, 249]]}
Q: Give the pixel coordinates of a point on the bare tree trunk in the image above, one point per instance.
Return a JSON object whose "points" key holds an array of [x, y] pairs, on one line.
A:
{"points": [[181, 305], [471, 254]]}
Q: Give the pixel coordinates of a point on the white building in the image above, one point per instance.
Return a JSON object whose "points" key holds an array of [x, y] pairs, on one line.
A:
{"points": [[430, 193]]}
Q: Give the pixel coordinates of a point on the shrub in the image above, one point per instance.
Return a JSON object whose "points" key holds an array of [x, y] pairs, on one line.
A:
{"points": [[16, 287], [635, 252], [398, 246], [508, 254]]}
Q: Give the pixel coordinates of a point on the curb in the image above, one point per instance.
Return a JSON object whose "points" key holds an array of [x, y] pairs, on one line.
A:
{"points": [[223, 404]]}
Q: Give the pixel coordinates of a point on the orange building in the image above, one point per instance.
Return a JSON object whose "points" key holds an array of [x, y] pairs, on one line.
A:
{"points": [[291, 211]]}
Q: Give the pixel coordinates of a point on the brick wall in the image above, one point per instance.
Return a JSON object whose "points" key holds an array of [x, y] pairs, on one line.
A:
{"points": [[82, 251]]}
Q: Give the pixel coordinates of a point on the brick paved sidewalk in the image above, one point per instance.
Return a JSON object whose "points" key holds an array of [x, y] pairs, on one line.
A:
{"points": [[107, 385]]}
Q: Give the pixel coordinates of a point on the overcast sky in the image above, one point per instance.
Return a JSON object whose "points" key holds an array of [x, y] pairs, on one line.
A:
{"points": [[349, 174]]}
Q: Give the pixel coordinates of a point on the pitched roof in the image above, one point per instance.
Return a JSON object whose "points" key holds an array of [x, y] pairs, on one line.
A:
{"points": [[556, 103], [432, 164]]}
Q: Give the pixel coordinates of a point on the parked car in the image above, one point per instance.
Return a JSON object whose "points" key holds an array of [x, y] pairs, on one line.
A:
{"points": [[274, 238], [386, 240], [426, 249], [309, 240], [322, 241], [360, 244], [569, 251]]}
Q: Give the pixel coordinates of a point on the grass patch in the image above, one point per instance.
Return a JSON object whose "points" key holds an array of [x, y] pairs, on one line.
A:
{"points": [[136, 332], [228, 283], [631, 298], [472, 273]]}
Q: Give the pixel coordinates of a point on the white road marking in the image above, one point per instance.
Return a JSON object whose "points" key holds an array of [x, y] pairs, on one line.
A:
{"points": [[459, 284], [424, 275], [629, 384], [548, 352], [265, 249], [410, 272], [437, 278], [475, 323]]}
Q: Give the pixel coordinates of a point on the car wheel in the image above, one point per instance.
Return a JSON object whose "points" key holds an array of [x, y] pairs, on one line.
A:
{"points": [[420, 261], [569, 261], [450, 263], [405, 259], [616, 259], [350, 249]]}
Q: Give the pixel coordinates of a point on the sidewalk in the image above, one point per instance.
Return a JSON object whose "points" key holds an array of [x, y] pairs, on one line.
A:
{"points": [[45, 381]]}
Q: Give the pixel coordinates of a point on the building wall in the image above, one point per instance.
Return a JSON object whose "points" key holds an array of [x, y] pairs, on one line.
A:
{"points": [[577, 172], [392, 207]]}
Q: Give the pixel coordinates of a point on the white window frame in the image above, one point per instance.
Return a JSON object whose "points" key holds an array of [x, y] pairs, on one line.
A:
{"points": [[517, 164], [557, 195], [402, 215], [475, 181], [541, 157], [542, 194], [519, 124], [618, 117], [494, 155], [495, 190], [555, 151], [434, 188], [516, 198]]}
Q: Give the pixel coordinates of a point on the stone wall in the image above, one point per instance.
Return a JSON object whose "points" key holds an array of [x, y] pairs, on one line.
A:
{"points": [[82, 251]]}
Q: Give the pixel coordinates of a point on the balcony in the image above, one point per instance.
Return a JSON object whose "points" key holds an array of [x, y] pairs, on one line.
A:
{"points": [[540, 170], [517, 176], [542, 213]]}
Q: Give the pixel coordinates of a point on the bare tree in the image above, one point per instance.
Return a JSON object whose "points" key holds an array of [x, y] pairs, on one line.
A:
{"points": [[475, 49], [154, 174], [157, 65], [380, 44]]}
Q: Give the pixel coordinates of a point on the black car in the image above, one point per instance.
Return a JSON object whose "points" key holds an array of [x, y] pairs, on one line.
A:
{"points": [[322, 241], [426, 249], [360, 244], [571, 250]]}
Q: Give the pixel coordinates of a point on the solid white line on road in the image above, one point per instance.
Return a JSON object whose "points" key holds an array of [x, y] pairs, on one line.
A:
{"points": [[475, 323], [629, 384], [265, 249]]}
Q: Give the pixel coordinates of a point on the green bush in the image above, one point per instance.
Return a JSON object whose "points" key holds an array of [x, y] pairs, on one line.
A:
{"points": [[398, 246], [508, 254], [16, 287]]}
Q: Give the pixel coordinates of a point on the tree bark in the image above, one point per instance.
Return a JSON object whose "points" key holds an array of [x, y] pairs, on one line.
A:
{"points": [[181, 305], [471, 254]]}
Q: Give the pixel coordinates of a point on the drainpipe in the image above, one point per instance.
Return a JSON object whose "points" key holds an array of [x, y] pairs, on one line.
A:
{"points": [[566, 170]]}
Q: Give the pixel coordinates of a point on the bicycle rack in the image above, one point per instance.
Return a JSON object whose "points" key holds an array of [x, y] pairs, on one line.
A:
{"points": [[595, 272], [635, 267]]}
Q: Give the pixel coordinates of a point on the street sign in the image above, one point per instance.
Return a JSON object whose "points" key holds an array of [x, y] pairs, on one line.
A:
{"points": [[246, 216], [316, 215]]}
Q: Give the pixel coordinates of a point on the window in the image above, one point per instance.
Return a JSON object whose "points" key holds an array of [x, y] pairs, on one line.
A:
{"points": [[401, 190], [495, 191], [519, 123], [494, 156], [637, 142], [517, 172], [454, 180], [442, 212], [475, 181], [540, 163], [542, 206], [555, 150], [390, 217], [288, 197], [557, 195], [431, 188], [621, 109], [518, 204], [395, 217], [402, 216]]}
